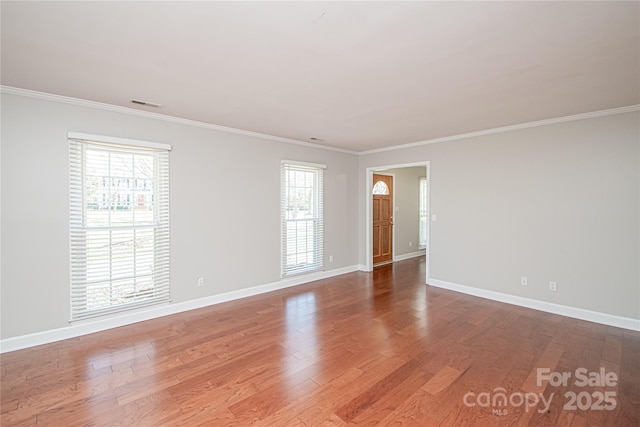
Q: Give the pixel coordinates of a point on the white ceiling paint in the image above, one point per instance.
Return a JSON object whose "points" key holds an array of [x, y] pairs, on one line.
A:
{"points": [[359, 75]]}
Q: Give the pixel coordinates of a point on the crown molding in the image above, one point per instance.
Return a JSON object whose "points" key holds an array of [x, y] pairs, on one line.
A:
{"points": [[172, 119], [582, 116], [157, 116]]}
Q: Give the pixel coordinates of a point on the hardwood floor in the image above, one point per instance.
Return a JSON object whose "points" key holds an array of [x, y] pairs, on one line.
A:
{"points": [[375, 348]]}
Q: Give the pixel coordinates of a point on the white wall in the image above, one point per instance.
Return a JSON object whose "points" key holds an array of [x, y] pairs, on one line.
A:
{"points": [[407, 204], [225, 207], [558, 202]]}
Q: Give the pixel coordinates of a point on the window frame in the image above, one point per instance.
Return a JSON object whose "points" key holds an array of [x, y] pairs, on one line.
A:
{"points": [[317, 264], [423, 213], [79, 205]]}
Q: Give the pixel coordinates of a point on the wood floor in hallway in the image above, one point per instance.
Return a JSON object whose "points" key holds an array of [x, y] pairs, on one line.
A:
{"points": [[377, 348]]}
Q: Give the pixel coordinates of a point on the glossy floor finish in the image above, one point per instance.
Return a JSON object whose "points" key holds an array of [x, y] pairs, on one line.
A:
{"points": [[375, 348]]}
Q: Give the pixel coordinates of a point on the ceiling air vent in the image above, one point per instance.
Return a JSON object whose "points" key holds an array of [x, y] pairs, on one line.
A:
{"points": [[147, 103]]}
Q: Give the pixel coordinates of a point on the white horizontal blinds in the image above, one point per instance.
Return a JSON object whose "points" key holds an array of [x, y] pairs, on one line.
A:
{"points": [[119, 227], [422, 229], [302, 218]]}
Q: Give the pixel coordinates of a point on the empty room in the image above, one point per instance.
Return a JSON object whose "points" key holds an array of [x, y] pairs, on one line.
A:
{"points": [[320, 213]]}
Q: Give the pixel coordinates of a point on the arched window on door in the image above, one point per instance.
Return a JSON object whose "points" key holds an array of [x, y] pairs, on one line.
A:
{"points": [[380, 188]]}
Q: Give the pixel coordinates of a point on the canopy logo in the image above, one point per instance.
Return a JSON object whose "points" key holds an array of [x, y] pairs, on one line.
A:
{"points": [[499, 401], [598, 400]]}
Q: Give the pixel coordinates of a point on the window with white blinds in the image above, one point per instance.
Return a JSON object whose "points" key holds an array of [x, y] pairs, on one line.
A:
{"points": [[422, 229], [119, 225], [302, 224]]}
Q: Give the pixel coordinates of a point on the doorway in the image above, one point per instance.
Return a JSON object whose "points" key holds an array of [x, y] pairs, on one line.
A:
{"points": [[425, 231], [382, 213]]}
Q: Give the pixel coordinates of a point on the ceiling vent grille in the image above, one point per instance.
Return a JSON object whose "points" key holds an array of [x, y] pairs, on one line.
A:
{"points": [[147, 103]]}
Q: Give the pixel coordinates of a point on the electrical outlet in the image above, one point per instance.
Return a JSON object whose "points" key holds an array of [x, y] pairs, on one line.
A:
{"points": [[200, 282], [410, 244], [552, 286], [523, 281], [330, 258]]}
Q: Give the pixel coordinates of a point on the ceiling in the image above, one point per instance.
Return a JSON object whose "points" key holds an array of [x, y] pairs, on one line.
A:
{"points": [[358, 75]]}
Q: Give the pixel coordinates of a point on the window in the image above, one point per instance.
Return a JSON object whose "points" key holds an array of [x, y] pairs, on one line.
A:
{"points": [[422, 229], [380, 188], [119, 250], [301, 218]]}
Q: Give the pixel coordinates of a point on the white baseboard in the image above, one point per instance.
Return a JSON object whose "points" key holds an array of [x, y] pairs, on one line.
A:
{"points": [[89, 327], [415, 254], [563, 310]]}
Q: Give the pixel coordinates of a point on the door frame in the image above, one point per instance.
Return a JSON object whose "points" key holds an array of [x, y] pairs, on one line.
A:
{"points": [[379, 170], [393, 214]]}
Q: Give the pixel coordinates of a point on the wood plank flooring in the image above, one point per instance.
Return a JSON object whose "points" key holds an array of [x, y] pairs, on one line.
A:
{"points": [[375, 348]]}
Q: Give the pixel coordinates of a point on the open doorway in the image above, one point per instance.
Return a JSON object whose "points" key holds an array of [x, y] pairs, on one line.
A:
{"points": [[406, 232]]}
